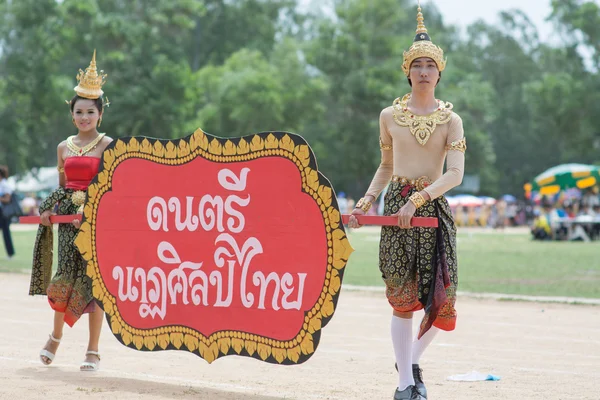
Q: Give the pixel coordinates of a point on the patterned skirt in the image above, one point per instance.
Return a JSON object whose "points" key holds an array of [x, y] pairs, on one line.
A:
{"points": [[419, 265], [70, 290]]}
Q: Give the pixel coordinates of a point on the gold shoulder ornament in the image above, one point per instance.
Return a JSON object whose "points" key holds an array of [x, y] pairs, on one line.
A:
{"points": [[458, 145], [421, 126]]}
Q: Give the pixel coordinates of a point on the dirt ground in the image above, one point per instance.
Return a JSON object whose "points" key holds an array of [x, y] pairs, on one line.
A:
{"points": [[540, 351]]}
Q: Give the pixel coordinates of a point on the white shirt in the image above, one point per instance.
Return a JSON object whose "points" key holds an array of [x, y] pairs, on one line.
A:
{"points": [[5, 188]]}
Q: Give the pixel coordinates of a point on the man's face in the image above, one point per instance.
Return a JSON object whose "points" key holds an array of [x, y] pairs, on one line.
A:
{"points": [[424, 74]]}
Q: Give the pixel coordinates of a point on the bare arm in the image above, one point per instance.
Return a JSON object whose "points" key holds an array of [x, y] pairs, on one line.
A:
{"points": [[60, 151], [386, 167]]}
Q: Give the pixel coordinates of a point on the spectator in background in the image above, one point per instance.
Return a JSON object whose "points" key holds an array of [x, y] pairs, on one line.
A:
{"points": [[5, 198], [342, 202], [500, 214]]}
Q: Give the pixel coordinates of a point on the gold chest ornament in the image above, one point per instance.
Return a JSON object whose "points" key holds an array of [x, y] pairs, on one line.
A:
{"points": [[421, 126]]}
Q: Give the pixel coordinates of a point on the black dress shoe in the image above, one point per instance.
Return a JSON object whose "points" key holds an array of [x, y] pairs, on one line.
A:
{"points": [[418, 377], [410, 393]]}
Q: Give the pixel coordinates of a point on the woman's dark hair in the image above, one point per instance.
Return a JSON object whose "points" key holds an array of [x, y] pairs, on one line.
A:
{"points": [[3, 171], [97, 102]]}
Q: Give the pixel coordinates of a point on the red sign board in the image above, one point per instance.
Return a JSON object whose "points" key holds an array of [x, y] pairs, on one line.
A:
{"points": [[215, 246]]}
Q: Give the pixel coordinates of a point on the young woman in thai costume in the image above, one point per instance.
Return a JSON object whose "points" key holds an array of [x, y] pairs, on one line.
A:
{"points": [[418, 265], [70, 290]]}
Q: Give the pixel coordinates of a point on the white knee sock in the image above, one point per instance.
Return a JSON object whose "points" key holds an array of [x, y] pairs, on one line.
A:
{"points": [[419, 345], [402, 340]]}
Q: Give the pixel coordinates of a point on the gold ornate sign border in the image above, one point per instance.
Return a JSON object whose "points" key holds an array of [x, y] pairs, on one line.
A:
{"points": [[219, 344]]}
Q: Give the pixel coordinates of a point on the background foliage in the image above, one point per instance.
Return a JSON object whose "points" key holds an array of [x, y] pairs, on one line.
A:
{"points": [[242, 66]]}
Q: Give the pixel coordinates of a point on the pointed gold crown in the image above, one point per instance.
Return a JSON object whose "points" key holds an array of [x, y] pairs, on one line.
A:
{"points": [[90, 82], [423, 47]]}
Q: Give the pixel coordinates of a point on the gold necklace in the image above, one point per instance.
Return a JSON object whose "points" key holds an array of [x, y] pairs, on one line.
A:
{"points": [[81, 151], [421, 126]]}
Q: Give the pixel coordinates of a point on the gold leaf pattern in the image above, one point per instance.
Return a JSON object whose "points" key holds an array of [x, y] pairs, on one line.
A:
{"points": [[257, 144], [307, 346], [108, 306], [120, 148], [314, 324], [215, 147], [312, 179], [138, 342], [126, 337], [163, 341], [264, 351], [224, 345], [237, 345], [158, 150], [199, 139], [335, 282], [229, 149], [326, 194], [271, 142], [279, 355], [190, 342], [109, 158], [146, 146], [209, 353], [243, 147], [183, 149], [334, 217], [328, 307], [115, 326], [150, 342], [303, 154], [88, 210], [98, 292], [177, 339], [287, 143], [92, 194], [250, 347], [133, 145], [170, 150], [82, 241], [103, 178], [294, 354], [341, 249]]}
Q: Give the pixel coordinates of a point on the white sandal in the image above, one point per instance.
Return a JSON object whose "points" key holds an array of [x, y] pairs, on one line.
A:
{"points": [[90, 366], [46, 353]]}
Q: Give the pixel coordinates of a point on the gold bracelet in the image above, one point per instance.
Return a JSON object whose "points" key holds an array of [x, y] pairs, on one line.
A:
{"points": [[364, 204], [417, 199]]}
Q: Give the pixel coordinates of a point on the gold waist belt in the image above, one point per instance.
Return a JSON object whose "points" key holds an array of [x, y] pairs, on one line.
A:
{"points": [[419, 183]]}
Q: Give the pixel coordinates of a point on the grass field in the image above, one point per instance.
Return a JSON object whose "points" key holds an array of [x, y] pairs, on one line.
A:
{"points": [[500, 263], [488, 262]]}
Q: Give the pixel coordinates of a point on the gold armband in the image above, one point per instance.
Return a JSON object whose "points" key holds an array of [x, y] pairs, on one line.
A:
{"points": [[61, 170], [383, 146], [458, 145], [417, 199], [364, 204]]}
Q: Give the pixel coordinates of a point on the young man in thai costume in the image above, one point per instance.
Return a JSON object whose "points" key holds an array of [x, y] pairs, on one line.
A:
{"points": [[419, 266]]}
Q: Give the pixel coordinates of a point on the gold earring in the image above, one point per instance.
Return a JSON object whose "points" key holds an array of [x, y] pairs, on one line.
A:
{"points": [[99, 122], [73, 119]]}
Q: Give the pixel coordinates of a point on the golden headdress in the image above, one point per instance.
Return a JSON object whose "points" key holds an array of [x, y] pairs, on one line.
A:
{"points": [[90, 82], [423, 47]]}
